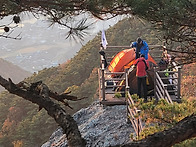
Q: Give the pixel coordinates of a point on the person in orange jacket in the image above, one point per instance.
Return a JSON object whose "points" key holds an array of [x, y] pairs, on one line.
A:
{"points": [[142, 65]]}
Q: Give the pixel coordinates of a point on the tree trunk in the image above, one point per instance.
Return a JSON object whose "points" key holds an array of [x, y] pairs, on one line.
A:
{"points": [[183, 130], [68, 124]]}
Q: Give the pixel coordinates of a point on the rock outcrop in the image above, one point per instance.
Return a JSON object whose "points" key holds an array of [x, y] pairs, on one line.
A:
{"points": [[101, 126]]}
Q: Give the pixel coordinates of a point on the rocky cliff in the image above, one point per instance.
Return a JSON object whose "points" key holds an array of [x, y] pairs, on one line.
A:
{"points": [[101, 126]]}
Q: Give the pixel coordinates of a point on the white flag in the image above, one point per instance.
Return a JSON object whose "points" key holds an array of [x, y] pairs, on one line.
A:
{"points": [[103, 40]]}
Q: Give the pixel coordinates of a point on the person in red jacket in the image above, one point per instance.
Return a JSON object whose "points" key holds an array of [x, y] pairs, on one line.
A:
{"points": [[142, 65]]}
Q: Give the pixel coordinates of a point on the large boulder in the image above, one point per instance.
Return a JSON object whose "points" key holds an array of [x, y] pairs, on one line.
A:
{"points": [[101, 126]]}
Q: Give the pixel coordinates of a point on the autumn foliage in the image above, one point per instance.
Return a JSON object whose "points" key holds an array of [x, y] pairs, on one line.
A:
{"points": [[188, 88]]}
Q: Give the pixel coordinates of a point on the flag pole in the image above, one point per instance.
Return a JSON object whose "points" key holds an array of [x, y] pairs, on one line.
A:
{"points": [[103, 40]]}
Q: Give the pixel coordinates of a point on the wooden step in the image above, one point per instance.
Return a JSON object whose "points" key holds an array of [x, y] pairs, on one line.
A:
{"points": [[111, 86], [165, 78], [113, 92], [175, 98], [115, 79], [172, 90]]}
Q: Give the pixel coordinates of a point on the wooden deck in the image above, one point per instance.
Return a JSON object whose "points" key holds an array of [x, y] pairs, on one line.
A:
{"points": [[110, 99], [107, 96], [163, 88]]}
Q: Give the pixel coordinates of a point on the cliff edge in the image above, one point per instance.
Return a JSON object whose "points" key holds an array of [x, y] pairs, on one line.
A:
{"points": [[101, 126]]}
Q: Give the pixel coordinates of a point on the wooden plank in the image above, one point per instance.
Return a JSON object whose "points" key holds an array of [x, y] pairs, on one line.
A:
{"points": [[115, 79], [170, 85], [179, 82], [99, 80], [140, 124], [158, 97], [150, 46], [159, 93], [134, 108], [159, 79], [136, 122], [160, 87], [133, 123], [113, 92], [131, 112], [165, 78], [168, 97], [111, 100], [111, 86], [167, 72], [110, 73], [112, 103], [172, 90]]}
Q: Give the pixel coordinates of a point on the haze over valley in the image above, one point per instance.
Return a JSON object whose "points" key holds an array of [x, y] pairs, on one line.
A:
{"points": [[42, 46]]}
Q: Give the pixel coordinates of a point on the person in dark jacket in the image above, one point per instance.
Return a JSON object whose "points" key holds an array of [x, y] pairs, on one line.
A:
{"points": [[141, 48], [142, 65]]}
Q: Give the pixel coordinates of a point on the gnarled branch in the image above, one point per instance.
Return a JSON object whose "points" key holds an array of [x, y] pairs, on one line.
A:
{"points": [[67, 123]]}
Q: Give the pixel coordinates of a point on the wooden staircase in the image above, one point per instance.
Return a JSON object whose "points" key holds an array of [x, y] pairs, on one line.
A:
{"points": [[167, 83]]}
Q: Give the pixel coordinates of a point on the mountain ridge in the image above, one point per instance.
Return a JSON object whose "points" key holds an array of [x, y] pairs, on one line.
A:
{"points": [[9, 70]]}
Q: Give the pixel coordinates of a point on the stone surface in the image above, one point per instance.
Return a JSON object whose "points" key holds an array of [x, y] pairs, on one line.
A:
{"points": [[101, 126]]}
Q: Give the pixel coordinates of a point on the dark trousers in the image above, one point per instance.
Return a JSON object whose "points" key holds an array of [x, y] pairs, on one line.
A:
{"points": [[141, 82]]}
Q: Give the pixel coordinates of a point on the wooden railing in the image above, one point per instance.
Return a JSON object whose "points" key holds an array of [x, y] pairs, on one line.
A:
{"points": [[111, 51], [169, 90], [105, 77], [160, 89], [133, 114]]}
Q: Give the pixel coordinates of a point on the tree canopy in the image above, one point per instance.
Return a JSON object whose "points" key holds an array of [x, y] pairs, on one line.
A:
{"points": [[175, 18]]}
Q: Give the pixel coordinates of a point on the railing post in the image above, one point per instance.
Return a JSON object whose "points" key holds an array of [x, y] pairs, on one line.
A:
{"points": [[138, 128], [126, 92], [179, 82], [155, 90], [127, 81], [127, 105], [138, 123], [99, 80], [102, 75], [103, 80], [164, 89]]}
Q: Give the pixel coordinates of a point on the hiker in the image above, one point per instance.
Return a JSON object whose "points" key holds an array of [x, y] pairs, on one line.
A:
{"points": [[165, 60], [141, 48], [142, 65], [102, 53], [166, 57]]}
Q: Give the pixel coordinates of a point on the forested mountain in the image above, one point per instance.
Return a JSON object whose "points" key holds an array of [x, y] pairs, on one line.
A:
{"points": [[20, 121], [9, 70]]}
